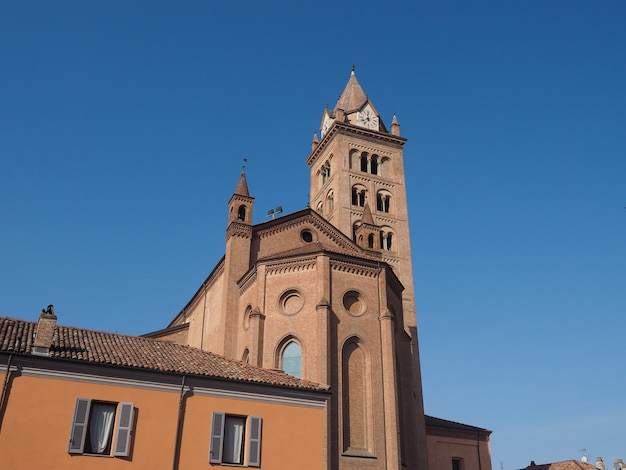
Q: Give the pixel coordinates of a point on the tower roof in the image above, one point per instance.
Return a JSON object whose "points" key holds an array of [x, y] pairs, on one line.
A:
{"points": [[242, 185], [367, 215], [353, 96]]}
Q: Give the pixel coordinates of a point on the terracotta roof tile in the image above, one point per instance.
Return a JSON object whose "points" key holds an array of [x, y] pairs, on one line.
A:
{"points": [[565, 465], [143, 353]]}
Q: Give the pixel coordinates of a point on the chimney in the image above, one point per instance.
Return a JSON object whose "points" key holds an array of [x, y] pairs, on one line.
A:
{"points": [[619, 464], [600, 464], [45, 332]]}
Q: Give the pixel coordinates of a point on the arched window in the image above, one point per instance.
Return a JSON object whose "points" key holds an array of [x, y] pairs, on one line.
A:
{"points": [[383, 199], [355, 226], [245, 357], [374, 165], [330, 198], [384, 168], [386, 240], [354, 160], [325, 172], [364, 162], [241, 213], [291, 359], [356, 398], [358, 195], [370, 240], [320, 208]]}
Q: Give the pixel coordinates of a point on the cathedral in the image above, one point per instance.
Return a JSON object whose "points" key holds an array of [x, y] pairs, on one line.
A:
{"points": [[299, 350], [326, 293]]}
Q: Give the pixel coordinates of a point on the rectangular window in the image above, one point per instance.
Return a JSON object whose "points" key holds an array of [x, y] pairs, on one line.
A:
{"points": [[94, 425], [457, 464], [229, 436]]}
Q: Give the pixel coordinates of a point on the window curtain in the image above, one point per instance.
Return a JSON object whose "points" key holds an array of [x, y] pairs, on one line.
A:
{"points": [[233, 439], [101, 426]]}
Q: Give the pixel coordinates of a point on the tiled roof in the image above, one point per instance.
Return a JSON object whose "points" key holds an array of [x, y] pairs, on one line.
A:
{"points": [[565, 465], [113, 349]]}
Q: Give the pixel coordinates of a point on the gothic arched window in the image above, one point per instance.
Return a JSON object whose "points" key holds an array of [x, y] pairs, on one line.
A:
{"points": [[291, 359], [356, 398]]}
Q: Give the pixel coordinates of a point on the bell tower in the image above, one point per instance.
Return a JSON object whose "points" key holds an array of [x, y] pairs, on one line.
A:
{"points": [[358, 184], [357, 160]]}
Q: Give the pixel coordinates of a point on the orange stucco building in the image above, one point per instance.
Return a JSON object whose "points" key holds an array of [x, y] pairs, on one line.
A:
{"points": [[165, 402]]}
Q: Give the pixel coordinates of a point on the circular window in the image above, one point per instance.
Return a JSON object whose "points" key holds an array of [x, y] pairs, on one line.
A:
{"points": [[354, 303], [291, 302], [307, 236]]}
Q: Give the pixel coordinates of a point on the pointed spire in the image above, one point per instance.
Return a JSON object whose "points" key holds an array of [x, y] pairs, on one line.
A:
{"points": [[353, 96], [315, 142], [395, 125], [242, 185], [367, 215]]}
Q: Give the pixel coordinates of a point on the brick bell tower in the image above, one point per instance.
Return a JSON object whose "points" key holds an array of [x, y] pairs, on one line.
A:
{"points": [[358, 184]]}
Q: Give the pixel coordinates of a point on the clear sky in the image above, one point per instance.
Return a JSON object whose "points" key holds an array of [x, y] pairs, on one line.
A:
{"points": [[122, 131]]}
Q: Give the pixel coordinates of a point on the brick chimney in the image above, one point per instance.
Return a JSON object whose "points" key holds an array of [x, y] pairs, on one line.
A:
{"points": [[45, 332]]}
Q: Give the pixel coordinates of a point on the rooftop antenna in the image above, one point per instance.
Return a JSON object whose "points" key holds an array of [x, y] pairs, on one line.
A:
{"points": [[585, 456], [274, 212]]}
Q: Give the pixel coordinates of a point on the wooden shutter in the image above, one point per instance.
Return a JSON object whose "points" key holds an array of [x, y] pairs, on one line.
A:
{"points": [[254, 442], [79, 426], [217, 437], [124, 428]]}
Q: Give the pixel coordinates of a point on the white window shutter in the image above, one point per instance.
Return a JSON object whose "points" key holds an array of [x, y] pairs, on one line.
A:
{"points": [[124, 428], [254, 442], [217, 437], [79, 426]]}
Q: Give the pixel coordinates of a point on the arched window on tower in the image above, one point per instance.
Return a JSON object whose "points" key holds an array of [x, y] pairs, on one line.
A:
{"points": [[358, 195], [330, 199], [370, 240], [355, 226], [386, 239], [354, 159], [364, 162], [291, 359], [241, 214], [325, 172], [384, 169], [320, 208], [383, 200], [374, 165]]}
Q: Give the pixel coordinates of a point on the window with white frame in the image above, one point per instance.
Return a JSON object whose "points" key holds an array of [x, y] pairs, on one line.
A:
{"points": [[229, 436], [94, 425]]}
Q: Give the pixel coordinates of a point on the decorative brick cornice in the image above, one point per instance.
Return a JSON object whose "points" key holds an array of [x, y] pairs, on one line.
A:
{"points": [[236, 229], [353, 268], [290, 266], [351, 129]]}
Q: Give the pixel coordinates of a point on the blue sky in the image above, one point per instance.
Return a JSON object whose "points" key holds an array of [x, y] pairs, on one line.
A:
{"points": [[123, 126]]}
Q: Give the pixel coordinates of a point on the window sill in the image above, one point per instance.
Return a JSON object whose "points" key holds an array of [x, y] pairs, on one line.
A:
{"points": [[358, 453]]}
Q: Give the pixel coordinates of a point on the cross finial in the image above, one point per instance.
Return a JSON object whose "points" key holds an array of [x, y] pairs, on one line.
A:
{"points": [[243, 165]]}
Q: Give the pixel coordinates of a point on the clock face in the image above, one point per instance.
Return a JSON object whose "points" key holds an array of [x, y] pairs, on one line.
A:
{"points": [[367, 119], [327, 123]]}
